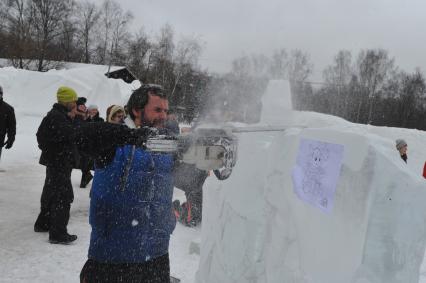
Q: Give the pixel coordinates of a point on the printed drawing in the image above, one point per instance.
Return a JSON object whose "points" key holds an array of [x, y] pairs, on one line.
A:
{"points": [[315, 172]]}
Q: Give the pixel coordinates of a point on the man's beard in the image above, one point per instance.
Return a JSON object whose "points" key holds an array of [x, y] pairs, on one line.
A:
{"points": [[156, 123]]}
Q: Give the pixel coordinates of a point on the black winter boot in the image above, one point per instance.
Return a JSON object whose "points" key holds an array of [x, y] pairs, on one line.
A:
{"points": [[64, 240]]}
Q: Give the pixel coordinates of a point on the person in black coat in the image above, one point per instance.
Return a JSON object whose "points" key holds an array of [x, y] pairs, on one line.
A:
{"points": [[57, 137], [94, 114], [7, 124], [83, 161]]}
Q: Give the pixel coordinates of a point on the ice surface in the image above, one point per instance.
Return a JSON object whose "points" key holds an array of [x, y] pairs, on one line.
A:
{"points": [[257, 230]]}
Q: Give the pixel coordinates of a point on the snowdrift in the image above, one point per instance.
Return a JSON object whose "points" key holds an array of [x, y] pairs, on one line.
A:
{"points": [[33, 93], [256, 229]]}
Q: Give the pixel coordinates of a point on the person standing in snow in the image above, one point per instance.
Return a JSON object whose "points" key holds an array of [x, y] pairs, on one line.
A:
{"points": [[93, 114], [7, 124], [115, 114], [57, 137], [131, 204], [54, 137], [83, 161], [401, 146]]}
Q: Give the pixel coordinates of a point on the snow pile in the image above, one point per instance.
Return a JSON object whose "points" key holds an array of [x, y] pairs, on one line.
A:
{"points": [[255, 228], [33, 93]]}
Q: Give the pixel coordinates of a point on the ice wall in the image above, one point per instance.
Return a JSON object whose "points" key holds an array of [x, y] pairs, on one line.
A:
{"points": [[255, 229]]}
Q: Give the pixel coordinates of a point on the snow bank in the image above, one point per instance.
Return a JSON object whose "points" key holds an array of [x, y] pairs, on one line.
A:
{"points": [[33, 93], [255, 228]]}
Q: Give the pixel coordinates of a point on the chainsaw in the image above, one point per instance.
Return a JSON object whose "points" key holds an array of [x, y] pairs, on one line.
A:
{"points": [[207, 147]]}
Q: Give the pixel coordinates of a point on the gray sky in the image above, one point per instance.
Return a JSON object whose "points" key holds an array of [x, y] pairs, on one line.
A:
{"points": [[231, 28]]}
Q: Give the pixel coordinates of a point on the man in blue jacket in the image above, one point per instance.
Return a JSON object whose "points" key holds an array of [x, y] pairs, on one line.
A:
{"points": [[131, 203]]}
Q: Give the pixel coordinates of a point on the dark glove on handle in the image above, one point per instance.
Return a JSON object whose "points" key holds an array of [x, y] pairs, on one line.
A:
{"points": [[140, 136]]}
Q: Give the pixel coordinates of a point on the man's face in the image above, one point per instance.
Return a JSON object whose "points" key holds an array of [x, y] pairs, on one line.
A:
{"points": [[403, 150], [72, 108], [154, 113]]}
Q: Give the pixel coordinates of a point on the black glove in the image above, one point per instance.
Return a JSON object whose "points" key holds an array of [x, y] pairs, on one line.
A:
{"points": [[139, 136], [8, 144]]}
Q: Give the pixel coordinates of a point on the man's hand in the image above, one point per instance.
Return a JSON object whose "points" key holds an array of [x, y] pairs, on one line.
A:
{"points": [[72, 113], [8, 144], [141, 135]]}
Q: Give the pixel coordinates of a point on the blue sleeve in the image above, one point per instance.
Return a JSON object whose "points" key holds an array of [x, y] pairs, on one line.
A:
{"points": [[98, 215]]}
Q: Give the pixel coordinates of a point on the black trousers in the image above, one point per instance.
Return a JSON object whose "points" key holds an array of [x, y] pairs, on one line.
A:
{"points": [[191, 179], [56, 200], [154, 271]]}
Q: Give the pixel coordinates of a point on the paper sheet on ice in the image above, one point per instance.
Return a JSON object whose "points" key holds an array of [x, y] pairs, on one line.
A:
{"points": [[316, 172]]}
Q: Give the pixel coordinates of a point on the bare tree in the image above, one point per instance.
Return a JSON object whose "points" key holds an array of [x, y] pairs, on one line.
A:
{"points": [[88, 16], [299, 66], [119, 34], [279, 64], [67, 49], [48, 18], [188, 52], [139, 49], [373, 69], [241, 67], [4, 11], [18, 22], [114, 24], [161, 59], [338, 77], [413, 89]]}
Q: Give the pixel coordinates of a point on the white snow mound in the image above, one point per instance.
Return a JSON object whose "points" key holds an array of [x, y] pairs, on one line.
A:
{"points": [[255, 228]]}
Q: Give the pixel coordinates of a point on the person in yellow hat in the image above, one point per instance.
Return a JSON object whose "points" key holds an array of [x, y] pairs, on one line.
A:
{"points": [[55, 139]]}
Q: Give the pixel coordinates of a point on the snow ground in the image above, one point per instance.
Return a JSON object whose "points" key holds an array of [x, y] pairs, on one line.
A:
{"points": [[26, 256]]}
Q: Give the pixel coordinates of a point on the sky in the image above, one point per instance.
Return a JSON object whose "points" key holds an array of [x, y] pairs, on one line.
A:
{"points": [[232, 28]]}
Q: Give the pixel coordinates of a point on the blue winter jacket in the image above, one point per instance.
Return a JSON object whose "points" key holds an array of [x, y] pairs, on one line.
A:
{"points": [[131, 214]]}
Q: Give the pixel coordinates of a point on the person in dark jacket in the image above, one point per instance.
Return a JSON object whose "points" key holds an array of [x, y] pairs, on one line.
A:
{"points": [[83, 161], [131, 205], [93, 113], [7, 124], [57, 137], [115, 114], [189, 179]]}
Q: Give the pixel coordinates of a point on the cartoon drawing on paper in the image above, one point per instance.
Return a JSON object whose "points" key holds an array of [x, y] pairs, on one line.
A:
{"points": [[315, 172]]}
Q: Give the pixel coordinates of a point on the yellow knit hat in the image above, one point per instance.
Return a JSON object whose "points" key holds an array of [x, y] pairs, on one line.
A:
{"points": [[66, 94]]}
